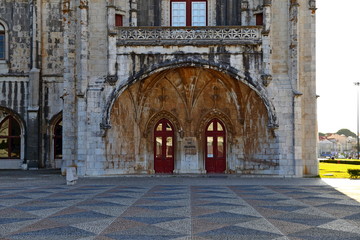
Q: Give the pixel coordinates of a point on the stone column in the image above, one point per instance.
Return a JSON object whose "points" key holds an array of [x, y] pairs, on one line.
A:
{"points": [[82, 59], [294, 79], [111, 16], [112, 64], [308, 77], [32, 150], [69, 96], [133, 13], [266, 44], [245, 13]]}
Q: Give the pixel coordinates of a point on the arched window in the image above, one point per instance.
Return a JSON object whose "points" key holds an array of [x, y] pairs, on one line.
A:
{"points": [[188, 13], [10, 139], [2, 42], [58, 139]]}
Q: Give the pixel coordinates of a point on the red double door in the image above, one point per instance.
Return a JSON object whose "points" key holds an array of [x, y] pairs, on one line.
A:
{"points": [[215, 149], [215, 154], [164, 147]]}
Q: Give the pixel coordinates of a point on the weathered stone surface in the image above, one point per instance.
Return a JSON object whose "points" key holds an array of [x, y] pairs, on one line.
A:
{"points": [[193, 96], [111, 85]]}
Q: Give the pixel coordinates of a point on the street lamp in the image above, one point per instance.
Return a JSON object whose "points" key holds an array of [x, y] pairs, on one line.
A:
{"points": [[357, 110]]}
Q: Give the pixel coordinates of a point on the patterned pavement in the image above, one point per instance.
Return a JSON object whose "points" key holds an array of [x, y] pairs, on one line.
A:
{"points": [[176, 208]]}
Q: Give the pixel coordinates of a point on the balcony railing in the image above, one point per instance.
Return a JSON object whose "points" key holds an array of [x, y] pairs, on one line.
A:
{"points": [[188, 35]]}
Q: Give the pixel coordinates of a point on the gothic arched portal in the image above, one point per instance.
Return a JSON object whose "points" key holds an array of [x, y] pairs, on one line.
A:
{"points": [[185, 97]]}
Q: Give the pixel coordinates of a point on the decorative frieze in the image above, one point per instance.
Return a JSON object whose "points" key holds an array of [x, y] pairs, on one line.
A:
{"points": [[221, 34]]}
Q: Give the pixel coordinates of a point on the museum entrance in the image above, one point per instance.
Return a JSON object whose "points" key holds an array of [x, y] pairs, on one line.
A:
{"points": [[164, 147], [215, 156]]}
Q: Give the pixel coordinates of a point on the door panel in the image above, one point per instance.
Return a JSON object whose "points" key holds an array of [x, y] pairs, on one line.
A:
{"points": [[164, 147], [215, 156]]}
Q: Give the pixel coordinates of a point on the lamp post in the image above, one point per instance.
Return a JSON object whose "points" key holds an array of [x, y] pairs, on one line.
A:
{"points": [[357, 110]]}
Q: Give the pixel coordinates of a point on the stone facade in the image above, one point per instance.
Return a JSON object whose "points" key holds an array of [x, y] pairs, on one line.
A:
{"points": [[251, 68]]}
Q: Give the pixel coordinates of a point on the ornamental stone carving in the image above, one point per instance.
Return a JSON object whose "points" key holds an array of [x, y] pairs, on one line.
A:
{"points": [[266, 79], [150, 35], [111, 80], [157, 117]]}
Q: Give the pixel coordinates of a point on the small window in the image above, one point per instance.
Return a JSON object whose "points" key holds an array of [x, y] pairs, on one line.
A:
{"points": [[10, 139], [2, 42], [259, 19], [118, 20]]}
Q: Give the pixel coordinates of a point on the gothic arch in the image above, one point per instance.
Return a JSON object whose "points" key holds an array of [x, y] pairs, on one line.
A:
{"points": [[17, 117], [51, 129], [6, 42], [55, 118], [219, 115], [254, 85], [9, 112], [150, 124]]}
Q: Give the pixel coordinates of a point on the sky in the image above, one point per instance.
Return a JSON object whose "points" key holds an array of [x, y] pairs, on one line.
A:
{"points": [[338, 63]]}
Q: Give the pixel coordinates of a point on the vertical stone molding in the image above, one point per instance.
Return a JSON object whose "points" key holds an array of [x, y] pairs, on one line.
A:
{"points": [[82, 59], [133, 13], [69, 106], [112, 65], [294, 80], [32, 136], [112, 59], [293, 38], [83, 54], [111, 9], [266, 44]]}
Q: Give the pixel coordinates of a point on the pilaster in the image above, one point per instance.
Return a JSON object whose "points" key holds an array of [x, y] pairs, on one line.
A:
{"points": [[133, 13], [266, 44], [33, 118], [295, 83], [69, 95], [112, 64], [82, 59]]}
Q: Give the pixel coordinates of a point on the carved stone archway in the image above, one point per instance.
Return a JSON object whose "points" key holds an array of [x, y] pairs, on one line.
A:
{"points": [[157, 117], [219, 115], [163, 67]]}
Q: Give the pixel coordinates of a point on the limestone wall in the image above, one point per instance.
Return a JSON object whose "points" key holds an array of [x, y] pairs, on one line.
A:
{"points": [[65, 57]]}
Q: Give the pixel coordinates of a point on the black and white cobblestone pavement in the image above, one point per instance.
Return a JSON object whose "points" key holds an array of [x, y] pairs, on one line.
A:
{"points": [[39, 205]]}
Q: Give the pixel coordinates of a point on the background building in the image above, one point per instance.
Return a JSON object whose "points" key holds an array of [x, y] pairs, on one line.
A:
{"points": [[159, 86], [339, 146]]}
